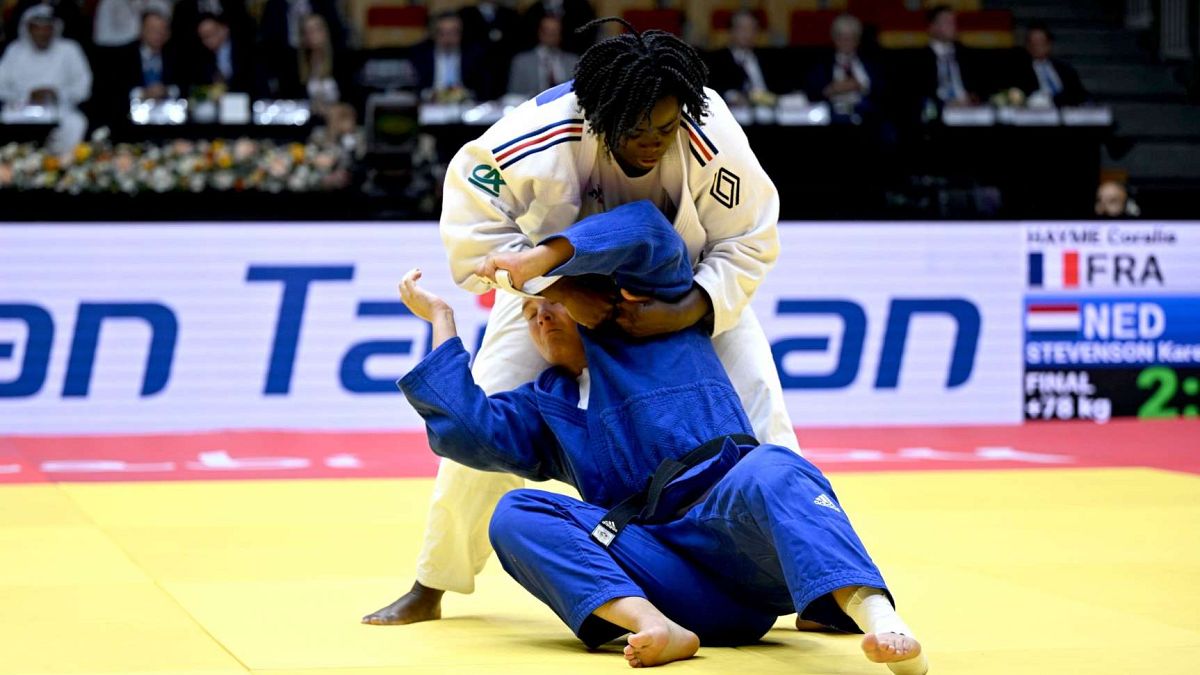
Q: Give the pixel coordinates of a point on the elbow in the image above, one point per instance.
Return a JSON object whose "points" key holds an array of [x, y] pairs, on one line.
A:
{"points": [[454, 444]]}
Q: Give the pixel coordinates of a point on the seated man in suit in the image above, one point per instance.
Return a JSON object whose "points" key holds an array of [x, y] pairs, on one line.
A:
{"points": [[544, 66], [946, 72], [738, 71], [851, 84], [496, 27], [226, 59], [148, 67], [1041, 76], [449, 70], [145, 69]]}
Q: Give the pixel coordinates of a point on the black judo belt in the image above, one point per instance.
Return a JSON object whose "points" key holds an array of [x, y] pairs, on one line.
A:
{"points": [[642, 506]]}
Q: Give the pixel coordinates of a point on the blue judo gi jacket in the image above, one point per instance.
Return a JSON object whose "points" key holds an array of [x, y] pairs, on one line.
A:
{"points": [[742, 538], [637, 416]]}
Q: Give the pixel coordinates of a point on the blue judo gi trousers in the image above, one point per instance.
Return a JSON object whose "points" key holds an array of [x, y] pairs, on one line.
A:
{"points": [[762, 536], [769, 539]]}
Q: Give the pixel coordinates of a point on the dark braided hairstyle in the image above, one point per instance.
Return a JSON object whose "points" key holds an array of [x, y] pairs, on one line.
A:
{"points": [[618, 80]]}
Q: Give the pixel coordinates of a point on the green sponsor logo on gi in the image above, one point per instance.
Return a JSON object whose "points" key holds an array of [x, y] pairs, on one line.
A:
{"points": [[486, 178]]}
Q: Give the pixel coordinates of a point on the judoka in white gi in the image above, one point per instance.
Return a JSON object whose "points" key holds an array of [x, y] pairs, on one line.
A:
{"points": [[689, 531], [43, 68], [636, 123]]}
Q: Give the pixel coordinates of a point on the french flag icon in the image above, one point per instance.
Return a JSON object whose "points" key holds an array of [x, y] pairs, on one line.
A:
{"points": [[1045, 317], [1054, 271]]}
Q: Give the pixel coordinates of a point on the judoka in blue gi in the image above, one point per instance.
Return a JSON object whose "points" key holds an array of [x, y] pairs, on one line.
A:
{"points": [[727, 536]]}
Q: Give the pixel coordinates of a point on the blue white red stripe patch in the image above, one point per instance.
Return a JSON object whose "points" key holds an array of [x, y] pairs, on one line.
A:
{"points": [[519, 148], [702, 148]]}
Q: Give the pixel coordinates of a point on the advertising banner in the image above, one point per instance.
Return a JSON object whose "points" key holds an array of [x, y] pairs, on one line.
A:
{"points": [[896, 323], [202, 327]]}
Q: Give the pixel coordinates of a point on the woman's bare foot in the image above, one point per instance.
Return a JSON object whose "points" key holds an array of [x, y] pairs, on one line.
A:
{"points": [[901, 652], [656, 639], [659, 644], [419, 604]]}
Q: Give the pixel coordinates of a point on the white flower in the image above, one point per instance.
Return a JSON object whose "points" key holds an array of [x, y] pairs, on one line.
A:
{"points": [[222, 180], [161, 180], [297, 182], [29, 164]]}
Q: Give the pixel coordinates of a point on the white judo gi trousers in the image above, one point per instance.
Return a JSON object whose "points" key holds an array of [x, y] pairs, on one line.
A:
{"points": [[456, 542]]}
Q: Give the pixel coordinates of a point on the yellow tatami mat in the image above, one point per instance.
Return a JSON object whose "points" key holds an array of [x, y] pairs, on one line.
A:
{"points": [[1042, 572]]}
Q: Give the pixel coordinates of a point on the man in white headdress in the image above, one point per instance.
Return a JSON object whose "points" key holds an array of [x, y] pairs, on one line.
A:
{"points": [[43, 68]]}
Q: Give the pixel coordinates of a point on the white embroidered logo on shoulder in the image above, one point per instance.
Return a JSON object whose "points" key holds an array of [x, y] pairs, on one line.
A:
{"points": [[824, 500]]}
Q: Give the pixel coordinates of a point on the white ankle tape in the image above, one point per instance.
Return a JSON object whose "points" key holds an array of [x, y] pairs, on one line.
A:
{"points": [[873, 612]]}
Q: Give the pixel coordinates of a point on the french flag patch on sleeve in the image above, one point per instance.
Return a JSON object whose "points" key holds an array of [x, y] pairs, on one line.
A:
{"points": [[702, 148], [512, 151]]}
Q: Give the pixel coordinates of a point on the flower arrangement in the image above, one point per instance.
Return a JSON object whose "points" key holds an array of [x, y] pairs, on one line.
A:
{"points": [[239, 165]]}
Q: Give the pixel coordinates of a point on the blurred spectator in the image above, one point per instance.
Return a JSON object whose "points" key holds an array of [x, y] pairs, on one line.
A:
{"points": [[185, 24], [574, 14], [1041, 76], [850, 83], [145, 69], [226, 60], [737, 71], [322, 74], [118, 23], [494, 24], [1112, 201], [947, 72], [75, 26], [447, 70], [340, 146], [282, 37], [42, 68], [496, 27], [282, 22], [188, 14], [340, 130], [543, 66], [149, 67]]}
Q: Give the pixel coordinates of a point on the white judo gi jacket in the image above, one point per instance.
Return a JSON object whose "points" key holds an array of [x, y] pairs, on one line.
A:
{"points": [[528, 177]]}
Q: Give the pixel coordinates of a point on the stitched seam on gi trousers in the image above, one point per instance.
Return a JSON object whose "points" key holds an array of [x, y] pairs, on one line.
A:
{"points": [[578, 616]]}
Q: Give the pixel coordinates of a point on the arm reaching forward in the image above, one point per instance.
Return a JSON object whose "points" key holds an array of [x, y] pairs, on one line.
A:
{"points": [[633, 244], [504, 432], [429, 307]]}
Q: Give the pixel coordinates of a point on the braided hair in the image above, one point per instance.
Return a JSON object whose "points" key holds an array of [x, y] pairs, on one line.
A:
{"points": [[618, 80]]}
